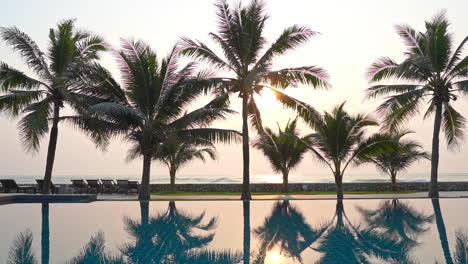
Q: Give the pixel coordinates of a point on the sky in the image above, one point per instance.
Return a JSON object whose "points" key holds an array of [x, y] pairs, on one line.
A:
{"points": [[353, 35]]}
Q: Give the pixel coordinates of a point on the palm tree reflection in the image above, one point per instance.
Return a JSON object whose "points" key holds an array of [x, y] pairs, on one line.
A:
{"points": [[94, 252], [21, 250], [287, 230], [398, 220], [172, 237]]}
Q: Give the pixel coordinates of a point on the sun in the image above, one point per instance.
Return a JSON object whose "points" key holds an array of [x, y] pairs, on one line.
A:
{"points": [[266, 98], [274, 257]]}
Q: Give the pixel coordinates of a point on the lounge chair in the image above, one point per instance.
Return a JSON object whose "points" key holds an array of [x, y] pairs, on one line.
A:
{"points": [[54, 189], [94, 185], [133, 186], [122, 186], [108, 186], [79, 186], [9, 185]]}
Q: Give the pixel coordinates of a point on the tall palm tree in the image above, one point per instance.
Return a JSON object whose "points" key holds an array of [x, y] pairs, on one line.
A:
{"points": [[40, 98], [433, 75], [284, 149], [149, 106], [339, 140], [399, 159], [175, 153], [247, 58]]}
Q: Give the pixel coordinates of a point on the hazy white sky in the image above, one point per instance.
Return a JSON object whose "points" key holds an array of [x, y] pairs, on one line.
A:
{"points": [[354, 33]]}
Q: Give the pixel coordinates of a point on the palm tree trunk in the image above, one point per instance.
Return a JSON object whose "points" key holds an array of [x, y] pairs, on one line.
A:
{"points": [[394, 184], [45, 234], [144, 194], [285, 181], [434, 188], [245, 150], [442, 231], [246, 208], [172, 174], [339, 186], [51, 150]]}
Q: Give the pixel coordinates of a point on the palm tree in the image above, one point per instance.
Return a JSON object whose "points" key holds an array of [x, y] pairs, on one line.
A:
{"points": [[175, 153], [435, 73], [246, 57], [149, 106], [399, 159], [246, 231], [58, 71], [339, 140], [442, 231], [284, 149]]}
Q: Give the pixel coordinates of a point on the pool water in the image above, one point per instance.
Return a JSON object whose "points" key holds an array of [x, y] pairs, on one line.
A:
{"points": [[271, 232]]}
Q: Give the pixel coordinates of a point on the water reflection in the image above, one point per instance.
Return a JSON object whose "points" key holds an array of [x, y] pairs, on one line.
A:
{"points": [[285, 230], [388, 233]]}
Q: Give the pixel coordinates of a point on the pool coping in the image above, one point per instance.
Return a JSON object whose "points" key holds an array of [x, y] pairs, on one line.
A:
{"points": [[47, 198]]}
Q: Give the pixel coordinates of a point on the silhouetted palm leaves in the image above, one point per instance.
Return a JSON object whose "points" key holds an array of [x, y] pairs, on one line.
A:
{"points": [[58, 82], [245, 54], [21, 251], [436, 74]]}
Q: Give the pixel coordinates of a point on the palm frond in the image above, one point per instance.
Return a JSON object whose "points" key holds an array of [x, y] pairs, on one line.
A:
{"points": [[27, 48], [21, 251], [16, 100], [35, 124], [11, 78], [291, 77], [453, 126]]}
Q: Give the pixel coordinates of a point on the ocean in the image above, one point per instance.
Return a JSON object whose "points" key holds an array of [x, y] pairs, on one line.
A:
{"points": [[255, 178]]}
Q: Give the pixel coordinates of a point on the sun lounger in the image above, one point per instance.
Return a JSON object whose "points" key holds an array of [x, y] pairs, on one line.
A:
{"points": [[122, 186], [94, 186], [54, 189], [10, 185], [108, 186], [79, 186], [133, 186]]}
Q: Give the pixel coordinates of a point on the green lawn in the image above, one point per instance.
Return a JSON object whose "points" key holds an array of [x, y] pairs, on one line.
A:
{"points": [[266, 193]]}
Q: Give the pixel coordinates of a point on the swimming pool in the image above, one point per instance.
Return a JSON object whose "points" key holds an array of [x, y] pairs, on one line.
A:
{"points": [[273, 232]]}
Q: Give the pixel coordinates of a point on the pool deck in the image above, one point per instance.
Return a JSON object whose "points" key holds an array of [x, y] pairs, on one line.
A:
{"points": [[48, 198], [417, 195]]}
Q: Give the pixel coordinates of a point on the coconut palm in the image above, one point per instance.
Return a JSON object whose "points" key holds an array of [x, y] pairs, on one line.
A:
{"points": [[175, 153], [399, 159], [433, 75], [39, 98], [149, 106], [284, 149], [339, 140], [248, 60]]}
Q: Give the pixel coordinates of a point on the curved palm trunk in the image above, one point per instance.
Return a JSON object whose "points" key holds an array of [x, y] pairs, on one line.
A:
{"points": [[245, 150], [51, 150], [285, 181], [45, 234], [442, 232], [172, 174], [144, 193], [246, 208], [434, 188]]}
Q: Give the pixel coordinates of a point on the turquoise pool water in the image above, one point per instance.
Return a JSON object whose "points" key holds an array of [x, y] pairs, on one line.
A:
{"points": [[272, 232]]}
